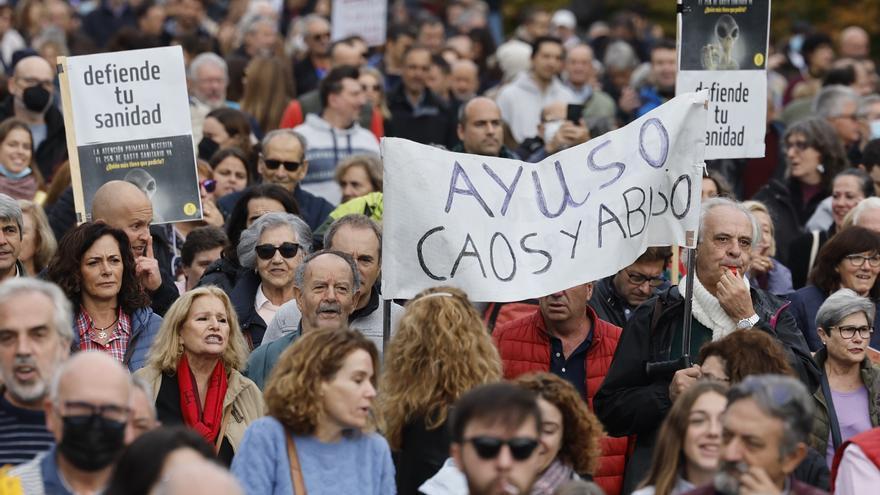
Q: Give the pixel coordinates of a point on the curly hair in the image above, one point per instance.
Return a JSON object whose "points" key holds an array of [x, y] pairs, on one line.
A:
{"points": [[440, 351], [293, 390], [748, 353], [581, 430], [65, 269], [850, 240], [168, 346], [666, 465]]}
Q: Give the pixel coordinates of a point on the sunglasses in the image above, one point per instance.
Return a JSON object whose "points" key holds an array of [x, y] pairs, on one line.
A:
{"points": [[798, 145], [287, 250], [274, 164], [209, 185], [489, 447]]}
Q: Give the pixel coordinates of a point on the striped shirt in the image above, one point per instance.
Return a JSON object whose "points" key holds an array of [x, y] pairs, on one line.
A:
{"points": [[23, 433]]}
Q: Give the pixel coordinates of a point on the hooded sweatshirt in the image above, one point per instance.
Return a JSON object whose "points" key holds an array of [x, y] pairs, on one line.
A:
{"points": [[325, 147]]}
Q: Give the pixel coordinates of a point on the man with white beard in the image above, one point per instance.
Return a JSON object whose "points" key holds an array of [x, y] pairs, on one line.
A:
{"points": [[35, 334]]}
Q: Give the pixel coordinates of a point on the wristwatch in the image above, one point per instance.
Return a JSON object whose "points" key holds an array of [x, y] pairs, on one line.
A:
{"points": [[747, 323]]}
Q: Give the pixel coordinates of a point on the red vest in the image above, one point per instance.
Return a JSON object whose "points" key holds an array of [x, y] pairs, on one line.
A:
{"points": [[525, 347], [868, 441]]}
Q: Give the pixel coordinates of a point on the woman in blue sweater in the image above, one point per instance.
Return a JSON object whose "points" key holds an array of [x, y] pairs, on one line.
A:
{"points": [[318, 436]]}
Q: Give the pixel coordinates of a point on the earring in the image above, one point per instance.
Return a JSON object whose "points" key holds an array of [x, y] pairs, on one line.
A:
{"points": [[821, 168]]}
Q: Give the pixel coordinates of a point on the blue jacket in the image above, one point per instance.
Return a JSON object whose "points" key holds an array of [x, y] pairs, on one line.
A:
{"points": [[144, 328], [263, 359], [805, 304]]}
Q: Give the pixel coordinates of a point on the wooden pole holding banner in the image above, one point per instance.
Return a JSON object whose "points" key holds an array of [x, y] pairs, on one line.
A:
{"points": [[70, 132], [386, 325]]}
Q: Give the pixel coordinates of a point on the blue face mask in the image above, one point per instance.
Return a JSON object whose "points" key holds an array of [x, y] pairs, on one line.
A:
{"points": [[875, 129], [11, 175]]}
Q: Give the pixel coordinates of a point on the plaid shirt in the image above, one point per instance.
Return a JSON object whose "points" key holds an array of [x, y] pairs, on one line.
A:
{"points": [[119, 339]]}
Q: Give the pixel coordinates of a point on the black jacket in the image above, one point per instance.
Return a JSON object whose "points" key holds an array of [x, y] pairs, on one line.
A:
{"points": [[608, 305], [305, 75], [222, 273], [430, 123], [799, 255], [631, 402], [788, 212], [422, 454], [53, 150], [242, 296]]}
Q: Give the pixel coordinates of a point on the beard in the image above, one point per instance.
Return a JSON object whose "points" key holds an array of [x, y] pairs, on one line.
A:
{"points": [[725, 481], [26, 393]]}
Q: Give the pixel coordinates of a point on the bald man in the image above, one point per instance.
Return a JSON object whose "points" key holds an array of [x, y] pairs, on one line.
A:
{"points": [[480, 128], [31, 92], [124, 206], [213, 480], [464, 79], [855, 43], [86, 412]]}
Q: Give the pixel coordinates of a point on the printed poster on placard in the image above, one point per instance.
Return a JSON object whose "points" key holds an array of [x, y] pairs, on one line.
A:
{"points": [[129, 113], [722, 48], [364, 18]]}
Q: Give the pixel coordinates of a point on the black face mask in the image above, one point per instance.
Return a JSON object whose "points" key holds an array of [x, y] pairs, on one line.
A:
{"points": [[207, 148], [36, 99], [91, 442]]}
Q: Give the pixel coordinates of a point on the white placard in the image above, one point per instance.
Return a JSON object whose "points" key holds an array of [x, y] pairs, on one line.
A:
{"points": [[506, 230], [722, 48], [365, 18]]}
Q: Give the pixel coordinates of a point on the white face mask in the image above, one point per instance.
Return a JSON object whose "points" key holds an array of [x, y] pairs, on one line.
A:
{"points": [[875, 129], [550, 129]]}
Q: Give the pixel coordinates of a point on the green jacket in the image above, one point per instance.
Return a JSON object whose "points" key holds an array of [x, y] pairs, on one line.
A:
{"points": [[821, 424]]}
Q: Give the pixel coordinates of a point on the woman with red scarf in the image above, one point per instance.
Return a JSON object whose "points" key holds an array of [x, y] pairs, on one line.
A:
{"points": [[193, 368]]}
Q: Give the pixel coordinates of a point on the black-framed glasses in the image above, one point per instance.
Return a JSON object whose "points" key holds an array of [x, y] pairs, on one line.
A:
{"points": [[287, 250], [849, 331], [798, 145], [521, 448], [82, 409], [858, 260], [636, 278], [274, 164], [209, 185]]}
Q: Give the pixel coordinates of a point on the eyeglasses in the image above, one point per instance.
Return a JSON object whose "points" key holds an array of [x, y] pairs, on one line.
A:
{"points": [[320, 36], [287, 250], [849, 331], [274, 164], [798, 145], [87, 410], [489, 447], [209, 185], [857, 260], [639, 279]]}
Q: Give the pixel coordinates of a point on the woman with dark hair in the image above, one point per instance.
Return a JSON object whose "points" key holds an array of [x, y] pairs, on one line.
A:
{"points": [[849, 260], [715, 185], [232, 171], [19, 178], [96, 270], [318, 437], [148, 458], [815, 155], [255, 202], [688, 449], [848, 189], [225, 128]]}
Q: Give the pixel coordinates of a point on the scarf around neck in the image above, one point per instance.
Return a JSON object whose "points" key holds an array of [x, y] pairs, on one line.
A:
{"points": [[206, 422], [556, 475], [708, 311]]}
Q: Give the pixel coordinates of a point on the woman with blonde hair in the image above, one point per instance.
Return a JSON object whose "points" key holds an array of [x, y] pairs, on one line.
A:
{"points": [[38, 243], [194, 370], [766, 272], [318, 437], [265, 92], [359, 175], [440, 351]]}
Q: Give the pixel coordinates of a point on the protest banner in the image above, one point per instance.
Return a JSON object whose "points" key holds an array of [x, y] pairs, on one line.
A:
{"points": [[127, 118], [506, 230], [722, 48], [365, 18]]}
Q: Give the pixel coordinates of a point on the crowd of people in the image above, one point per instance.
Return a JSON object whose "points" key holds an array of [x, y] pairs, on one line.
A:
{"points": [[247, 353]]}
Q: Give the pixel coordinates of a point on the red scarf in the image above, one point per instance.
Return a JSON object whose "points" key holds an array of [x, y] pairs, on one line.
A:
{"points": [[207, 422]]}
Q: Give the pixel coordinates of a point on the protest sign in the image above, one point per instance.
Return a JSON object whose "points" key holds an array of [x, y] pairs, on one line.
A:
{"points": [[722, 48], [127, 118], [506, 230], [365, 18]]}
